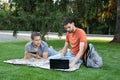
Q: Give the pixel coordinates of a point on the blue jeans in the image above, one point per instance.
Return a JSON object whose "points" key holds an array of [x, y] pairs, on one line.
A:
{"points": [[71, 57], [68, 55], [52, 52]]}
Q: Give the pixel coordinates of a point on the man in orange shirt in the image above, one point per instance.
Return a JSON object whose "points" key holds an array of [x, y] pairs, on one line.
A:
{"points": [[76, 38]]}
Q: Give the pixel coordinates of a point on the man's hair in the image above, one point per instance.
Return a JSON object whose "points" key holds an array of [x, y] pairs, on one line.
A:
{"points": [[34, 34], [67, 20]]}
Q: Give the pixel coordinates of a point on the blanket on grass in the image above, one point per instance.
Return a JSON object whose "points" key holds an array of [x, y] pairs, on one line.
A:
{"points": [[40, 64]]}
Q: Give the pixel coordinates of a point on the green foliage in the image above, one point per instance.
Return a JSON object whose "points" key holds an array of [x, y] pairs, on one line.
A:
{"points": [[95, 13], [46, 15], [13, 50], [41, 16]]}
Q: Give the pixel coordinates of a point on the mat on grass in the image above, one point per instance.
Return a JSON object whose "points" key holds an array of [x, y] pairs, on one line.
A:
{"points": [[40, 64]]}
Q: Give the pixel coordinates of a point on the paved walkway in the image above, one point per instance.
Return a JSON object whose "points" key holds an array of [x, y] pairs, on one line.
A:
{"points": [[6, 36]]}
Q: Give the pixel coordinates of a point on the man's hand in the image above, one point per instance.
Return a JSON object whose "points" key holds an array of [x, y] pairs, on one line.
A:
{"points": [[78, 56], [71, 65], [64, 50], [36, 56]]}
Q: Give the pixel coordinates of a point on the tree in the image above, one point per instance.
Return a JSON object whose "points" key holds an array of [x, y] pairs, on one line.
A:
{"points": [[117, 31], [86, 12], [36, 15], [95, 16]]}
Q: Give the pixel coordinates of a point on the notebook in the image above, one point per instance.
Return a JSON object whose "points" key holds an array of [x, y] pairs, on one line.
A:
{"points": [[59, 64]]}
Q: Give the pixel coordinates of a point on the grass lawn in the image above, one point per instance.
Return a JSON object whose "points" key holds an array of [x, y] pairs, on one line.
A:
{"points": [[109, 52]]}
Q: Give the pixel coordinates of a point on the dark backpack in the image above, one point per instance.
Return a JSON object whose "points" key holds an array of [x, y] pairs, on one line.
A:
{"points": [[91, 58]]}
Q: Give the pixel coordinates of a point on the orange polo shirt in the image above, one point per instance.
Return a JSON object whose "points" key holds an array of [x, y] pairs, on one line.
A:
{"points": [[75, 38]]}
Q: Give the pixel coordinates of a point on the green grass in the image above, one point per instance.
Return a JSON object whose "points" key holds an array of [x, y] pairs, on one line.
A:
{"points": [[109, 52]]}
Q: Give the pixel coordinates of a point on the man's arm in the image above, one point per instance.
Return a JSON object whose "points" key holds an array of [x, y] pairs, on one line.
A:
{"points": [[64, 50], [79, 54], [45, 55], [28, 55]]}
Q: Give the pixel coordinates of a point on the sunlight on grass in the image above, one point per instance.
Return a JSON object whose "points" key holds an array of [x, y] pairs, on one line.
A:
{"points": [[109, 52]]}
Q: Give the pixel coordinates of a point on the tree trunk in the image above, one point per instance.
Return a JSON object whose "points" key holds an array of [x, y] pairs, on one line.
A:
{"points": [[88, 30], [117, 31]]}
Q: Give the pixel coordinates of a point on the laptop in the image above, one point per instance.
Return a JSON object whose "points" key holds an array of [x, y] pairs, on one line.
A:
{"points": [[59, 64]]}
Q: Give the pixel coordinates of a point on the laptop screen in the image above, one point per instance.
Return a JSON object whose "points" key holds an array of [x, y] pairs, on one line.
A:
{"points": [[59, 64]]}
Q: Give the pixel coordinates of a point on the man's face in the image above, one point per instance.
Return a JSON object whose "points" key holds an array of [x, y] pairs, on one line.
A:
{"points": [[36, 41], [69, 27]]}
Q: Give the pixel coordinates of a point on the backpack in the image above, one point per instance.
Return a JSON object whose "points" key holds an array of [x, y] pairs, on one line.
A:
{"points": [[91, 58]]}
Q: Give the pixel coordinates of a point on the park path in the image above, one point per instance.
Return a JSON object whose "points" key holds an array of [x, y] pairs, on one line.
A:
{"points": [[6, 36]]}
